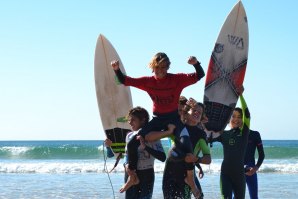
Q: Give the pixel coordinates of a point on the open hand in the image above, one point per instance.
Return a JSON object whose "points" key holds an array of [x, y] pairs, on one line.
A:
{"points": [[108, 142]]}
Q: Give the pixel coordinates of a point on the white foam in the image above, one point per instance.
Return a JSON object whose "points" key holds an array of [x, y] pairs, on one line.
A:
{"points": [[15, 151], [98, 166]]}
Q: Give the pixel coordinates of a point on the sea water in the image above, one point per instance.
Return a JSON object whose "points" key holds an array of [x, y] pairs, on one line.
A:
{"points": [[77, 169]]}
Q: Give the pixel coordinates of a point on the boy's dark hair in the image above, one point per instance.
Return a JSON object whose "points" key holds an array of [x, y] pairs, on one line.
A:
{"points": [[239, 110], [140, 113], [187, 107]]}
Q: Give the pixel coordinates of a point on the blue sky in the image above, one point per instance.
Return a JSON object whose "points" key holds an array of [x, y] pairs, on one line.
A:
{"points": [[47, 89]]}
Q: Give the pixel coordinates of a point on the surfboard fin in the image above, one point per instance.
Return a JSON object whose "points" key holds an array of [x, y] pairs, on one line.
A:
{"points": [[117, 161]]}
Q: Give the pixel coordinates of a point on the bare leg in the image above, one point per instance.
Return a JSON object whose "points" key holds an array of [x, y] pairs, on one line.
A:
{"points": [[191, 182], [132, 180]]}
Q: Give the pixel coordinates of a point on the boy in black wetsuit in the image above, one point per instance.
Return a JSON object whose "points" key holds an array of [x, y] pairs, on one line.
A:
{"points": [[234, 144], [142, 186], [179, 169]]}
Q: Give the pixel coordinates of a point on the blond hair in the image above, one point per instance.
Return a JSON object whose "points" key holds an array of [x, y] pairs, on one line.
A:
{"points": [[159, 59]]}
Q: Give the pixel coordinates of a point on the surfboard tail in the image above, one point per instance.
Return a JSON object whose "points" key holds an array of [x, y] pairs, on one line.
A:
{"points": [[117, 136], [218, 116]]}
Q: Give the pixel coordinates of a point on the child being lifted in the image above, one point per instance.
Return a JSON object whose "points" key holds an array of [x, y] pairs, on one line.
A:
{"points": [[164, 89]]}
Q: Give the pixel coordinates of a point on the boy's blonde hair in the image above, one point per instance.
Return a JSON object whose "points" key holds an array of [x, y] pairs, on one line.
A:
{"points": [[158, 59]]}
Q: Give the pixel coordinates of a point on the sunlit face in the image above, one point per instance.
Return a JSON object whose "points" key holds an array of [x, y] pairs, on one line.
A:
{"points": [[236, 120], [135, 123], [195, 114], [161, 70]]}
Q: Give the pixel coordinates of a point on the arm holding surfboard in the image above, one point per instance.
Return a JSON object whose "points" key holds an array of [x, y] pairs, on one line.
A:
{"points": [[199, 70], [119, 74], [108, 144], [213, 136]]}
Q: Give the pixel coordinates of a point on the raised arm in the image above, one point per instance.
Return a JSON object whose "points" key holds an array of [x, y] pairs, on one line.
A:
{"points": [[245, 117], [118, 72], [199, 70]]}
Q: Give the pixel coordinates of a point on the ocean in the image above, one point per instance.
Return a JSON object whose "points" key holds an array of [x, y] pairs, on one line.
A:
{"points": [[77, 169]]}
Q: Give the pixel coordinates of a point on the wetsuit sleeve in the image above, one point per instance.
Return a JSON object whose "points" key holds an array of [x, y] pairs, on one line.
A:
{"points": [[110, 153], [130, 81], [202, 146], [260, 151], [125, 160], [120, 76], [157, 153], [199, 70], [246, 117]]}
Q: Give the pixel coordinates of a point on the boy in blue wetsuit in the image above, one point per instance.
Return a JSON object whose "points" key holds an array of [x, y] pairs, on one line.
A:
{"points": [[254, 142]]}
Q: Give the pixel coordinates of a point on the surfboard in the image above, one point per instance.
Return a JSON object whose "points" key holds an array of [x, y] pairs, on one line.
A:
{"points": [[226, 70], [113, 99]]}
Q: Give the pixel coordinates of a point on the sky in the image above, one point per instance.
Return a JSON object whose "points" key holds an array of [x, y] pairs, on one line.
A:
{"points": [[47, 89]]}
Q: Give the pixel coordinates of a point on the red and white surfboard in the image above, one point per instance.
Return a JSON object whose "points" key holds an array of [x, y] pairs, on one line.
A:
{"points": [[226, 69]]}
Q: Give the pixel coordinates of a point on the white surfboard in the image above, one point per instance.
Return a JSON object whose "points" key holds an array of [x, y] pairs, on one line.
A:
{"points": [[114, 99], [226, 69]]}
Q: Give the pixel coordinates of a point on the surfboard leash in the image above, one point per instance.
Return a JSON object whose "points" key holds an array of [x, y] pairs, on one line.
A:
{"points": [[117, 161], [212, 185], [106, 170]]}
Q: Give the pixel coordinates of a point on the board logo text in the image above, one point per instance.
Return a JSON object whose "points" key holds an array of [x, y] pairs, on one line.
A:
{"points": [[237, 41]]}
